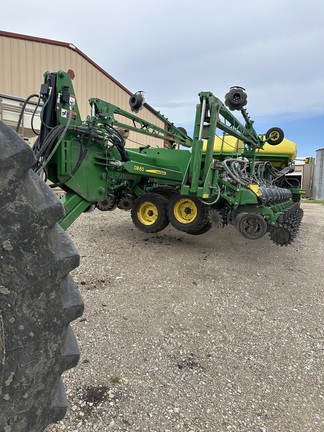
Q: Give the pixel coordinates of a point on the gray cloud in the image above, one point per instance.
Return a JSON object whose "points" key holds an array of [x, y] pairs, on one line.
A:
{"points": [[174, 49]]}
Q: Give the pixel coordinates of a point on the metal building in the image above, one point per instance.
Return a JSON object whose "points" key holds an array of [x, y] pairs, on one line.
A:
{"points": [[304, 173], [319, 176], [25, 59]]}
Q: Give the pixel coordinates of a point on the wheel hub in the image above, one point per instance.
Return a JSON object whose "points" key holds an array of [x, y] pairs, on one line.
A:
{"points": [[185, 211], [147, 213]]}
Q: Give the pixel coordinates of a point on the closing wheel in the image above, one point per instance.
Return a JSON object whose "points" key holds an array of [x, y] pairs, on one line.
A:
{"points": [[275, 136], [187, 213], [125, 201], [251, 225], [149, 213], [38, 298], [136, 101], [281, 236], [236, 98], [107, 204]]}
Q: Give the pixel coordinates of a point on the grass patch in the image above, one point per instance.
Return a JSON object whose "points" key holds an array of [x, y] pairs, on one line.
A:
{"points": [[115, 380], [314, 201]]}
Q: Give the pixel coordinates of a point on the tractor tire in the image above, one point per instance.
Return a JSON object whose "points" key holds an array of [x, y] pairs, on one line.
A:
{"points": [[38, 297]]}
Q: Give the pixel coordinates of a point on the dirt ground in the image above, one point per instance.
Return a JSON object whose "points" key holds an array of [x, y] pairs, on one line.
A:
{"points": [[197, 333]]}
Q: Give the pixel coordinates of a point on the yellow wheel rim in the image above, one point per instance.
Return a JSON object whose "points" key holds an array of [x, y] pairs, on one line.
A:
{"points": [[274, 135], [147, 213], [185, 210]]}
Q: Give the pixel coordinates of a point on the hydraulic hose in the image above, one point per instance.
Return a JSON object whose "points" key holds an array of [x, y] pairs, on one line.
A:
{"points": [[23, 110]]}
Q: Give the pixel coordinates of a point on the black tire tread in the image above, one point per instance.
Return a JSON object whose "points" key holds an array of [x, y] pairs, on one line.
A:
{"points": [[196, 225], [38, 297], [206, 226], [162, 221]]}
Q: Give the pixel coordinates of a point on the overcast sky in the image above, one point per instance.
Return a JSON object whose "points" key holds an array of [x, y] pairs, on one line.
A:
{"points": [[173, 49]]}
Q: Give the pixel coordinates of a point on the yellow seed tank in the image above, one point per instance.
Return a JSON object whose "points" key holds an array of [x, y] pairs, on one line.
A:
{"points": [[279, 154]]}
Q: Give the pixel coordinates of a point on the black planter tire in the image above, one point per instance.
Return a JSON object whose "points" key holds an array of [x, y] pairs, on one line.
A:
{"points": [[203, 230], [188, 214], [166, 191], [149, 213], [275, 136], [38, 297]]}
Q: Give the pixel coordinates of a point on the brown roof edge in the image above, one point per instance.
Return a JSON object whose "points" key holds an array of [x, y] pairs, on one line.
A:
{"points": [[75, 49]]}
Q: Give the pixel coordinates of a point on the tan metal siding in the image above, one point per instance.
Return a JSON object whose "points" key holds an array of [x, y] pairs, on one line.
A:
{"points": [[25, 61]]}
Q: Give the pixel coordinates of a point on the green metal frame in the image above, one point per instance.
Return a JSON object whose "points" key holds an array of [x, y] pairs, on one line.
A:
{"points": [[103, 170]]}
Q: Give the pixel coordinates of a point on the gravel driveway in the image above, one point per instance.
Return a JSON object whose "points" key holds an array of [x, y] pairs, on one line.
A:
{"points": [[197, 333]]}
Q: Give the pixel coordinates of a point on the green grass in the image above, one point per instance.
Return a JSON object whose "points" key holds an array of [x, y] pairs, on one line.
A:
{"points": [[314, 201], [115, 380]]}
